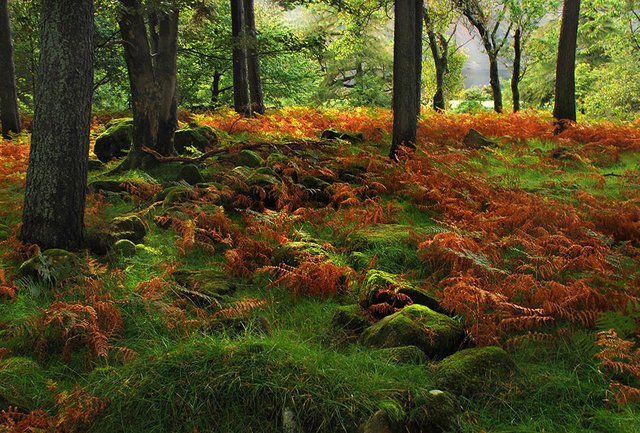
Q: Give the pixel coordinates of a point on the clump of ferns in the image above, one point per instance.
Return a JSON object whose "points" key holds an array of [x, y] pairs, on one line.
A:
{"points": [[386, 302]]}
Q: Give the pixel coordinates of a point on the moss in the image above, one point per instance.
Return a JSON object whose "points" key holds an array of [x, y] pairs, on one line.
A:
{"points": [[433, 411], [50, 264], [475, 371], [115, 142], [404, 355], [195, 136], [350, 318], [124, 248], [129, 227], [23, 383], [376, 280], [191, 174], [435, 334], [290, 253], [205, 287], [244, 158]]}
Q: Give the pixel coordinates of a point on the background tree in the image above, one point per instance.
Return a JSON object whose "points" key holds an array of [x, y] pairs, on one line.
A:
{"points": [[53, 215], [253, 59], [241, 96], [9, 114], [565, 100]]}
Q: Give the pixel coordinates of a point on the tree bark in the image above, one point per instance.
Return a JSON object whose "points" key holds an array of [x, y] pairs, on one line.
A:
{"points": [[494, 81], [405, 73], [253, 61], [53, 214], [166, 77], [565, 101], [419, 16], [515, 77], [9, 114], [440, 51], [242, 103]]}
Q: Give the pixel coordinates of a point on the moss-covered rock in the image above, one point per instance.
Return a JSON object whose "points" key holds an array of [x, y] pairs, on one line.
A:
{"points": [[174, 195], [50, 264], [433, 411], [244, 158], [420, 296], [195, 136], [23, 383], [190, 174], [435, 334], [380, 422], [474, 371], [129, 227], [290, 253], [115, 142], [404, 355], [376, 280], [95, 165], [350, 318], [351, 137], [124, 248]]}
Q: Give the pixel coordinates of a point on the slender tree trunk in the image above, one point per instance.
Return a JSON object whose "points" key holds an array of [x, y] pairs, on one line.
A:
{"points": [[565, 101], [253, 62], [405, 73], [242, 102], [215, 88], [53, 215], [440, 51], [419, 16], [166, 76], [9, 114], [144, 91], [515, 77], [494, 80]]}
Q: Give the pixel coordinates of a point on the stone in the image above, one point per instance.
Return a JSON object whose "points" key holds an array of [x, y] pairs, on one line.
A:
{"points": [[195, 136], [190, 174], [377, 280], [404, 355], [433, 411], [351, 137], [475, 140], [435, 334], [350, 318], [125, 248], [379, 423], [129, 227], [244, 158], [115, 142], [471, 372]]}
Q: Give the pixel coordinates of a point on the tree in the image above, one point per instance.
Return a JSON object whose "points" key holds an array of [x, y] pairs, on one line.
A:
{"points": [[9, 114], [242, 101], [253, 59], [53, 215], [407, 61], [152, 78], [565, 100], [488, 18]]}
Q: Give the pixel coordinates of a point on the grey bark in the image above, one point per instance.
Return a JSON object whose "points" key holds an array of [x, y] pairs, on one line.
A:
{"points": [[9, 113], [53, 214]]}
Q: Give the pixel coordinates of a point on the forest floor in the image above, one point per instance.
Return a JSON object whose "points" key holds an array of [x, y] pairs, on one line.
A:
{"points": [[299, 284]]}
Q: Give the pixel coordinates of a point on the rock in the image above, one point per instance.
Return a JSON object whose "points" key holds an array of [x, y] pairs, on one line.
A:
{"points": [[379, 423], [244, 158], [351, 137], [174, 195], [290, 253], [191, 174], [422, 297], [377, 280], [129, 227], [475, 140], [405, 355], [50, 265], [290, 421], [23, 384], [350, 318], [95, 165], [199, 137], [432, 411], [475, 371], [115, 142], [125, 248], [99, 240], [435, 334]]}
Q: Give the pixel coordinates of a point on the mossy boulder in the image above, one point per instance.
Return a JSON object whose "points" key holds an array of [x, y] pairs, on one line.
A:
{"points": [[124, 248], [23, 383], [351, 137], [433, 411], [404, 355], [474, 371], [380, 422], [174, 195], [290, 253], [195, 136], [350, 319], [129, 227], [95, 165], [50, 264], [244, 158], [435, 334], [115, 142], [377, 280], [475, 140], [190, 173]]}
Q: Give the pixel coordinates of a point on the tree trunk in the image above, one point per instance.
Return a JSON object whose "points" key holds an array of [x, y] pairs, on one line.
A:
{"points": [[242, 104], [9, 114], [440, 51], [215, 89], [405, 73], [253, 62], [166, 76], [419, 17], [515, 77], [144, 91], [565, 102], [53, 214], [494, 75]]}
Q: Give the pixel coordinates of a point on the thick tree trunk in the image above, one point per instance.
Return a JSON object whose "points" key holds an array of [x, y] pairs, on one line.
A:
{"points": [[166, 76], [53, 215], [144, 91], [405, 73], [242, 104], [419, 16], [253, 62], [9, 114], [515, 77], [565, 103], [494, 80]]}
